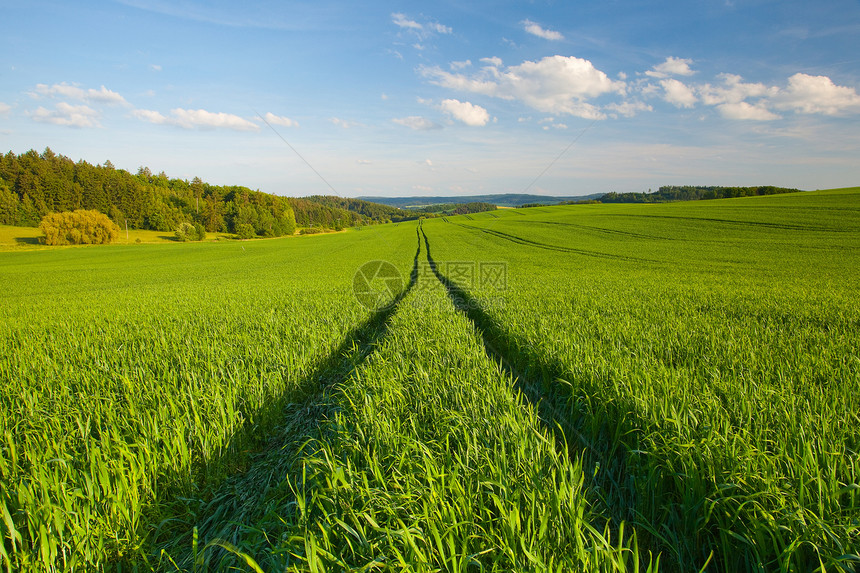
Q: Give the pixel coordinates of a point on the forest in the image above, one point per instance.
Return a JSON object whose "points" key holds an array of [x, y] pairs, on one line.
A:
{"points": [[33, 185], [692, 193]]}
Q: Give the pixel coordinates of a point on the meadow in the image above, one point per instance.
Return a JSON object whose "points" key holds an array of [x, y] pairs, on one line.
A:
{"points": [[585, 387]]}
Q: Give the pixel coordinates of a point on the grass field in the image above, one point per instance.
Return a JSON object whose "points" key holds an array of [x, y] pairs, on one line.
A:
{"points": [[585, 387]]}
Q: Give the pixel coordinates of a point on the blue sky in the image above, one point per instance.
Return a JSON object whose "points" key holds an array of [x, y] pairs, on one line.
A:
{"points": [[413, 98]]}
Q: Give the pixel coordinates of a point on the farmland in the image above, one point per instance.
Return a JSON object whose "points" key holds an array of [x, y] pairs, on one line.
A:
{"points": [[585, 387]]}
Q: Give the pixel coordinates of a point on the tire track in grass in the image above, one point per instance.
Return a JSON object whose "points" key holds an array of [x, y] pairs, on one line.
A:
{"points": [[483, 323], [242, 499], [605, 450], [549, 247], [553, 415], [600, 230], [781, 226], [610, 444]]}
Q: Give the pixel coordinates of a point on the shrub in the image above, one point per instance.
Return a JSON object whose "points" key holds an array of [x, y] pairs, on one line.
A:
{"points": [[245, 231], [190, 232], [78, 228]]}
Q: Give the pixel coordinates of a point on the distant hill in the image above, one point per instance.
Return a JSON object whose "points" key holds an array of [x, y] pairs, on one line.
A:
{"points": [[505, 200]]}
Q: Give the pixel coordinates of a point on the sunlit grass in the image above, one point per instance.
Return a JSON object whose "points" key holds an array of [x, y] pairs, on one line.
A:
{"points": [[707, 366], [672, 385]]}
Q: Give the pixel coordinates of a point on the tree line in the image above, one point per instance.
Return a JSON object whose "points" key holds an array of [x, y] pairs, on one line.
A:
{"points": [[692, 193], [33, 185], [440, 209]]}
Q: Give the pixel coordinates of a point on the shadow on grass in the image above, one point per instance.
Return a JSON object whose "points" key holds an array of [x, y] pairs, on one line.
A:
{"points": [[595, 436], [265, 487], [28, 240]]}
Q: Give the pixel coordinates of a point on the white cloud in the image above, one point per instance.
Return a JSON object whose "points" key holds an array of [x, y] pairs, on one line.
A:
{"points": [[678, 94], [68, 115], [555, 126], [733, 90], [4, 108], [439, 28], [555, 84], [403, 22], [280, 120], [817, 94], [344, 123], [155, 67], [197, 118], [422, 30], [191, 118], [150, 116], [671, 67], [364, 162], [466, 112], [64, 90], [536, 30], [494, 61], [416, 122], [736, 99], [747, 111], [460, 65], [104, 95], [628, 108]]}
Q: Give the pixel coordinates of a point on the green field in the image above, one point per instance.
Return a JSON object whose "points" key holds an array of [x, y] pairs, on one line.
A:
{"points": [[586, 387]]}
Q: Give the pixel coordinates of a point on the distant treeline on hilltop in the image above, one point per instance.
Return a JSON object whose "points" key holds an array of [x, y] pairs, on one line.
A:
{"points": [[33, 185], [692, 193], [455, 208]]}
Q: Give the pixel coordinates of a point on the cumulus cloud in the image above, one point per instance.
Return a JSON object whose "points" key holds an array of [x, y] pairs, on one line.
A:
{"points": [[67, 91], [730, 98], [746, 111], [671, 67], [460, 65], [678, 94], [416, 122], [554, 84], [149, 115], [280, 120], [817, 94], [736, 99], [733, 90], [68, 115], [466, 112], [536, 30], [197, 119]]}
